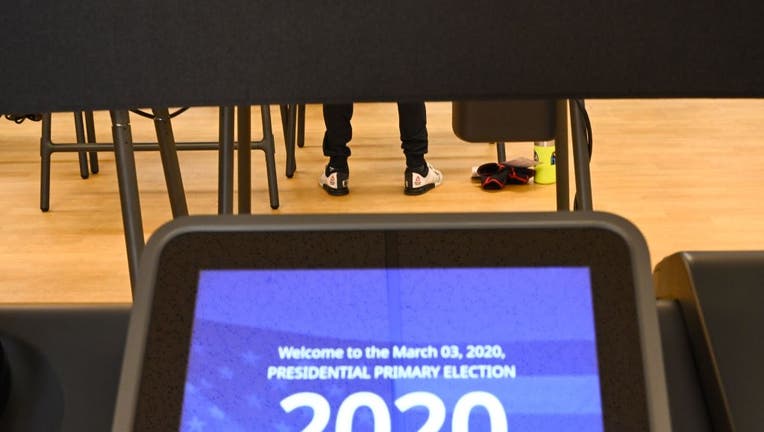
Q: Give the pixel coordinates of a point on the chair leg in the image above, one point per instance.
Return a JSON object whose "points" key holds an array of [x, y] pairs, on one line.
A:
{"points": [[501, 151], [291, 163], [79, 130], [128, 191], [91, 139], [170, 164], [225, 161], [284, 109], [244, 138], [45, 152], [269, 148], [301, 125]]}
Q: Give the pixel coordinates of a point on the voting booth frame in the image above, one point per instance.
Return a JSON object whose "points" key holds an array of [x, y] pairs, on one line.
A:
{"points": [[64, 360]]}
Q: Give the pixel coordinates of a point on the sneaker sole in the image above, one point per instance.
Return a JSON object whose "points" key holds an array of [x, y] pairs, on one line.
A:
{"points": [[335, 192], [419, 190]]}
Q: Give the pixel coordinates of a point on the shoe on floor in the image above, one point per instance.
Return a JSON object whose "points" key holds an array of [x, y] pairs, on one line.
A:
{"points": [[419, 180], [334, 182]]}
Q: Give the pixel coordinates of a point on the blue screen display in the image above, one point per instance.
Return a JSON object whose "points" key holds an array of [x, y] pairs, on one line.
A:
{"points": [[446, 349]]}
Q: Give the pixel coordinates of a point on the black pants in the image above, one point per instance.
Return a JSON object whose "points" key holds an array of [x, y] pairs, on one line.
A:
{"points": [[412, 122]]}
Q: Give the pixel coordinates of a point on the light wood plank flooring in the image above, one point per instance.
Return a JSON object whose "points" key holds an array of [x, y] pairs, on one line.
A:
{"points": [[688, 173]]}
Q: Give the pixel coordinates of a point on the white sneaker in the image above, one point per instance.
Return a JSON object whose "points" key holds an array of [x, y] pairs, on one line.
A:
{"points": [[334, 182], [420, 180]]}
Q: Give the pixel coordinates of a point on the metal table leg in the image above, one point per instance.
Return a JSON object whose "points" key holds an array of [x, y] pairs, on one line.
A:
{"points": [[561, 153], [244, 138], [128, 191], [269, 148], [580, 158], [170, 165], [225, 161], [46, 149]]}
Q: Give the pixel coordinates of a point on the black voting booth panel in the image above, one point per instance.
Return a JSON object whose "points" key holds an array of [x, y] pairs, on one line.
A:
{"points": [[720, 297], [63, 364], [213, 54]]}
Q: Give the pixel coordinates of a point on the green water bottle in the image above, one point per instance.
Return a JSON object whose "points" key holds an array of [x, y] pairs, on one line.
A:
{"points": [[546, 162]]}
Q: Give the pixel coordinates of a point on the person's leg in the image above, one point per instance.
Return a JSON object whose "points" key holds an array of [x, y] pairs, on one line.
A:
{"points": [[419, 176], [412, 122], [338, 134]]}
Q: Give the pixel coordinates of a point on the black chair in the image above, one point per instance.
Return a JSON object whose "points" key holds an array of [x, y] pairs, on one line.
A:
{"points": [[86, 143], [293, 123], [123, 148], [503, 121]]}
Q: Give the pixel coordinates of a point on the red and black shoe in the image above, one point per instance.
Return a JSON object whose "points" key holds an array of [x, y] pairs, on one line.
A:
{"points": [[494, 176], [334, 182], [419, 180]]}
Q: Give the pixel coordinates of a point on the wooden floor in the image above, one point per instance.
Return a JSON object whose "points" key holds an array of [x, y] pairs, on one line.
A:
{"points": [[688, 173]]}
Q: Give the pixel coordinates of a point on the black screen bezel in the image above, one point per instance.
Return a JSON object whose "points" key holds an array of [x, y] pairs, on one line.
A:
{"points": [[622, 380]]}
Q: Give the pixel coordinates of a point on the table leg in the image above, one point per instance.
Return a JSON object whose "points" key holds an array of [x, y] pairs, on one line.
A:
{"points": [[561, 153], [580, 158], [128, 191], [170, 164], [245, 158], [225, 161]]}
